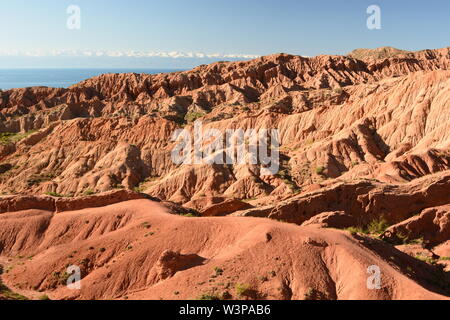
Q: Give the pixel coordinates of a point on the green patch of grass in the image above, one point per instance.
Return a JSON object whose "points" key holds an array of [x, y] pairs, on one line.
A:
{"points": [[44, 297], [377, 226], [61, 277], [320, 170], [139, 189], [36, 179], [209, 296], [406, 240], [356, 230], [55, 194], [146, 225], [12, 137], [285, 175], [243, 289], [338, 90], [193, 116], [444, 258], [89, 192], [314, 294], [218, 271], [428, 260], [188, 215], [226, 295], [191, 213]]}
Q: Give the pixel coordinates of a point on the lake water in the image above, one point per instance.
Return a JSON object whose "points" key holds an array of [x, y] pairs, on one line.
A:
{"points": [[59, 78]]}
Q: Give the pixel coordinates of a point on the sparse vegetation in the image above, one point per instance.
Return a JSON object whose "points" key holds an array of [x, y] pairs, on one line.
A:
{"points": [[191, 213], [375, 227], [426, 259], [218, 271], [285, 175], [209, 296], [356, 230], [404, 239], [55, 194], [37, 179], [44, 297], [10, 295], [188, 215], [226, 295], [61, 277], [88, 192], [146, 225], [193, 116], [12, 137], [243, 289], [338, 90], [314, 294], [320, 170]]}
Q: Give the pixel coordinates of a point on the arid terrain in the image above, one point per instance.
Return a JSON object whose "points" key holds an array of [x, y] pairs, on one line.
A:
{"points": [[87, 179]]}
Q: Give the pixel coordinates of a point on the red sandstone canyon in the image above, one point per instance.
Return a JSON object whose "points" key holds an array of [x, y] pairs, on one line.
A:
{"points": [[362, 190]]}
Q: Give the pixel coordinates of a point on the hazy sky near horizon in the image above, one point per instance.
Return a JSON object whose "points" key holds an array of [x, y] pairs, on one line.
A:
{"points": [[33, 30]]}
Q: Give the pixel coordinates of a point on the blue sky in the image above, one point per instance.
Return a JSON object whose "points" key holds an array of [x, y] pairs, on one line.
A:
{"points": [[223, 27]]}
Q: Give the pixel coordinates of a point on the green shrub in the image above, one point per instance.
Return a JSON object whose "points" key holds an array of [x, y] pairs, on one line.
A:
{"points": [[314, 294], [89, 192], [12, 137], [36, 179], [428, 260], [209, 296], [377, 226], [193, 116], [55, 194], [10, 295], [243, 289], [355, 230], [320, 170], [218, 271]]}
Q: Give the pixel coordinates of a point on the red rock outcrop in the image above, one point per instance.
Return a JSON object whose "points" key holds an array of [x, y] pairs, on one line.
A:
{"points": [[432, 226]]}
